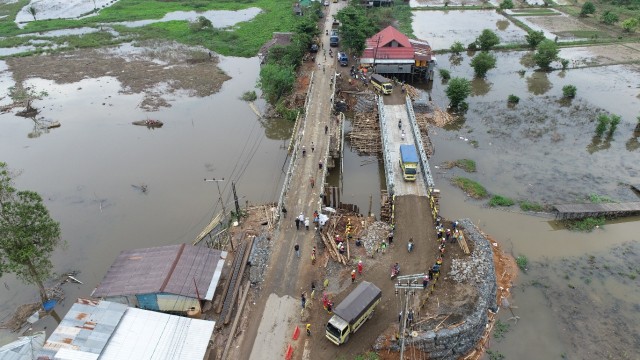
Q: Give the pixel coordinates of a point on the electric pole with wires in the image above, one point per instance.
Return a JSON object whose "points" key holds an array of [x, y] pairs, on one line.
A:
{"points": [[224, 210]]}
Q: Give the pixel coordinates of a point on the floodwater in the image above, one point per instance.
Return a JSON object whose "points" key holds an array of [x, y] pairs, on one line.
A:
{"points": [[219, 18], [442, 28], [72, 32], [87, 169]]}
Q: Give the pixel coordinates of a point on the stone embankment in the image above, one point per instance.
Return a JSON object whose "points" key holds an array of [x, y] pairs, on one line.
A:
{"points": [[477, 270]]}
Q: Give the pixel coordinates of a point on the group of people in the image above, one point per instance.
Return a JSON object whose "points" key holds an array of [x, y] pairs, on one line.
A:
{"points": [[301, 220]]}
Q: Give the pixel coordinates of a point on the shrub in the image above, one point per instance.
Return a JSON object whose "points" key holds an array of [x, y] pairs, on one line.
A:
{"points": [[547, 52], [522, 262], [467, 165], [534, 38], [603, 122], [444, 74], [473, 188], [564, 63], [586, 225], [506, 4], [569, 91], [630, 24], [249, 96], [472, 46], [609, 18], [487, 40], [512, 99], [482, 63], [615, 120], [587, 8], [498, 200], [457, 47], [457, 91]]}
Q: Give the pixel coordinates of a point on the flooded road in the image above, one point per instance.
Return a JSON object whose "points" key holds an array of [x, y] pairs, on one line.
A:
{"points": [[87, 169]]}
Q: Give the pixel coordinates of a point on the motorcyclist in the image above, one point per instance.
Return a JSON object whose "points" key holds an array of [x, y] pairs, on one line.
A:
{"points": [[410, 244], [396, 268]]}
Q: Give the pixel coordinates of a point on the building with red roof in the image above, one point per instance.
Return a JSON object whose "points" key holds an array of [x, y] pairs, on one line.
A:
{"points": [[392, 52]]}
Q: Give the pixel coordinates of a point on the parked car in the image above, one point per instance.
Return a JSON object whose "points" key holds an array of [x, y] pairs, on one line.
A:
{"points": [[343, 59], [326, 2], [314, 48]]}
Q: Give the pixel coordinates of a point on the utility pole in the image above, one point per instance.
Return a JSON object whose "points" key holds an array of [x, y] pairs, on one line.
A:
{"points": [[224, 210], [235, 198]]}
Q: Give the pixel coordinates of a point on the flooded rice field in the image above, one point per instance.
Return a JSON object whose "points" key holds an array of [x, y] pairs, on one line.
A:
{"points": [[219, 18], [90, 170], [442, 28]]}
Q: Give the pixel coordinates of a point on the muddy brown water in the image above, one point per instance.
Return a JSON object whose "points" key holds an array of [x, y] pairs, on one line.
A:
{"points": [[86, 170]]}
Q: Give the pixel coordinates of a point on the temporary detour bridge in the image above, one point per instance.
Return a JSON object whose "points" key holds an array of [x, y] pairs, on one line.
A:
{"points": [[580, 211]]}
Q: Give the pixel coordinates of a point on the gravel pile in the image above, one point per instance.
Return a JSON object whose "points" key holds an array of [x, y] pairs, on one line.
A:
{"points": [[258, 258], [479, 266], [373, 236], [365, 103]]}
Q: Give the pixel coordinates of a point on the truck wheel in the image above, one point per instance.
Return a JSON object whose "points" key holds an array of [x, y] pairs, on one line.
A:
{"points": [[347, 338]]}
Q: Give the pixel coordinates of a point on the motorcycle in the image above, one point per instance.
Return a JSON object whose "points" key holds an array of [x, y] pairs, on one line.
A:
{"points": [[395, 270], [410, 246]]}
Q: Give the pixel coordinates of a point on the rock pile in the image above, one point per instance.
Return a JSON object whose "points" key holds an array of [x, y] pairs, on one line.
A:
{"points": [[258, 258], [373, 236]]}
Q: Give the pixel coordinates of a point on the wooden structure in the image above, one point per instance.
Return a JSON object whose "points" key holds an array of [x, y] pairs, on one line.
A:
{"points": [[392, 53], [579, 211]]}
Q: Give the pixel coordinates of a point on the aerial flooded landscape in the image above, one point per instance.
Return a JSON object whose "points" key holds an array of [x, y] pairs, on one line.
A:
{"points": [[158, 152]]}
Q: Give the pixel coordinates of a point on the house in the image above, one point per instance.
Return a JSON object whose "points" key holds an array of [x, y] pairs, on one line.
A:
{"points": [[24, 348], [104, 330], [173, 278], [392, 53]]}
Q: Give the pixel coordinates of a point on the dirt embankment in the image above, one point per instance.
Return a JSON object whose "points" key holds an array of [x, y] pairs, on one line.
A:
{"points": [[153, 68]]}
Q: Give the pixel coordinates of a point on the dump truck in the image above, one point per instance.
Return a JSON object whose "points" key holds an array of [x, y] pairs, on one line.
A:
{"points": [[409, 162], [382, 84], [334, 38], [352, 312]]}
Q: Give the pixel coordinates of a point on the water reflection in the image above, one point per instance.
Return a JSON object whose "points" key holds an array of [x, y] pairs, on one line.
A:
{"points": [[455, 59], [527, 60], [480, 86], [277, 129], [502, 24], [538, 83], [632, 144]]}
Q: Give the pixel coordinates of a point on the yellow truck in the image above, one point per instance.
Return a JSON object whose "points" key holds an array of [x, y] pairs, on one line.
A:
{"points": [[408, 162], [352, 312], [382, 84]]}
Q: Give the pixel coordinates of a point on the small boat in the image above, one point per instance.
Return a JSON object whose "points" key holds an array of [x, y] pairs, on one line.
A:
{"points": [[150, 123], [55, 124]]}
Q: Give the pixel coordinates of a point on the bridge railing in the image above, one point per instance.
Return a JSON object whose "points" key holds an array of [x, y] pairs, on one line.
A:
{"points": [[388, 166], [424, 161]]}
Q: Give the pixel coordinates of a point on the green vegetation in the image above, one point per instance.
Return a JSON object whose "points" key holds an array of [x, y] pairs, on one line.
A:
{"points": [[472, 188], [615, 120], [500, 329], [569, 91], [564, 63], [498, 200], [522, 261], [546, 52], [457, 91], [487, 40], [512, 99], [630, 24], [599, 199], [444, 74], [531, 206], [276, 81], [587, 9], [506, 4], [28, 234], [367, 356], [603, 122], [495, 355], [356, 27], [482, 63], [249, 96], [467, 165], [457, 47], [609, 17], [586, 224], [534, 38]]}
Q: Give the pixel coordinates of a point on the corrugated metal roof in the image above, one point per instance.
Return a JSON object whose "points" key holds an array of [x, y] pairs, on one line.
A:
{"points": [[24, 348], [149, 335], [386, 36], [103, 330], [170, 269]]}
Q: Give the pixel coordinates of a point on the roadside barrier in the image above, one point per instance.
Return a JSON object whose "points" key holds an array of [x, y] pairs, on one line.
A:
{"points": [[289, 353], [296, 333]]}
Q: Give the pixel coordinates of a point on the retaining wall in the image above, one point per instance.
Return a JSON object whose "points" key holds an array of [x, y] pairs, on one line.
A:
{"points": [[449, 344]]}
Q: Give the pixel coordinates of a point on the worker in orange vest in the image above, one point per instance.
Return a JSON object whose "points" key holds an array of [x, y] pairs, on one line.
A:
{"points": [[360, 267], [353, 275]]}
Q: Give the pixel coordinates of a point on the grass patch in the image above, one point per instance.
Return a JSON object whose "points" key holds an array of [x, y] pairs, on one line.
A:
{"points": [[249, 96], [586, 224], [522, 261], [367, 356], [500, 329], [498, 200], [599, 199], [534, 11], [531, 206], [473, 188], [495, 355], [467, 165], [401, 11]]}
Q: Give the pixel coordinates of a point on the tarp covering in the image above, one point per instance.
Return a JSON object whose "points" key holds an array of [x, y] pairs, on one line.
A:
{"points": [[356, 303]]}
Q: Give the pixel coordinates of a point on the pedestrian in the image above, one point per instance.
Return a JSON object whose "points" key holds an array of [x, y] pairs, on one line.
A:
{"points": [[313, 256], [425, 281], [402, 135], [303, 300], [296, 247], [323, 69], [313, 147], [304, 151], [438, 220], [308, 329], [400, 317], [448, 234], [306, 223], [312, 182], [297, 224], [455, 225], [383, 246], [410, 317], [326, 129], [320, 165], [284, 212], [360, 267], [353, 276], [390, 237], [399, 124]]}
